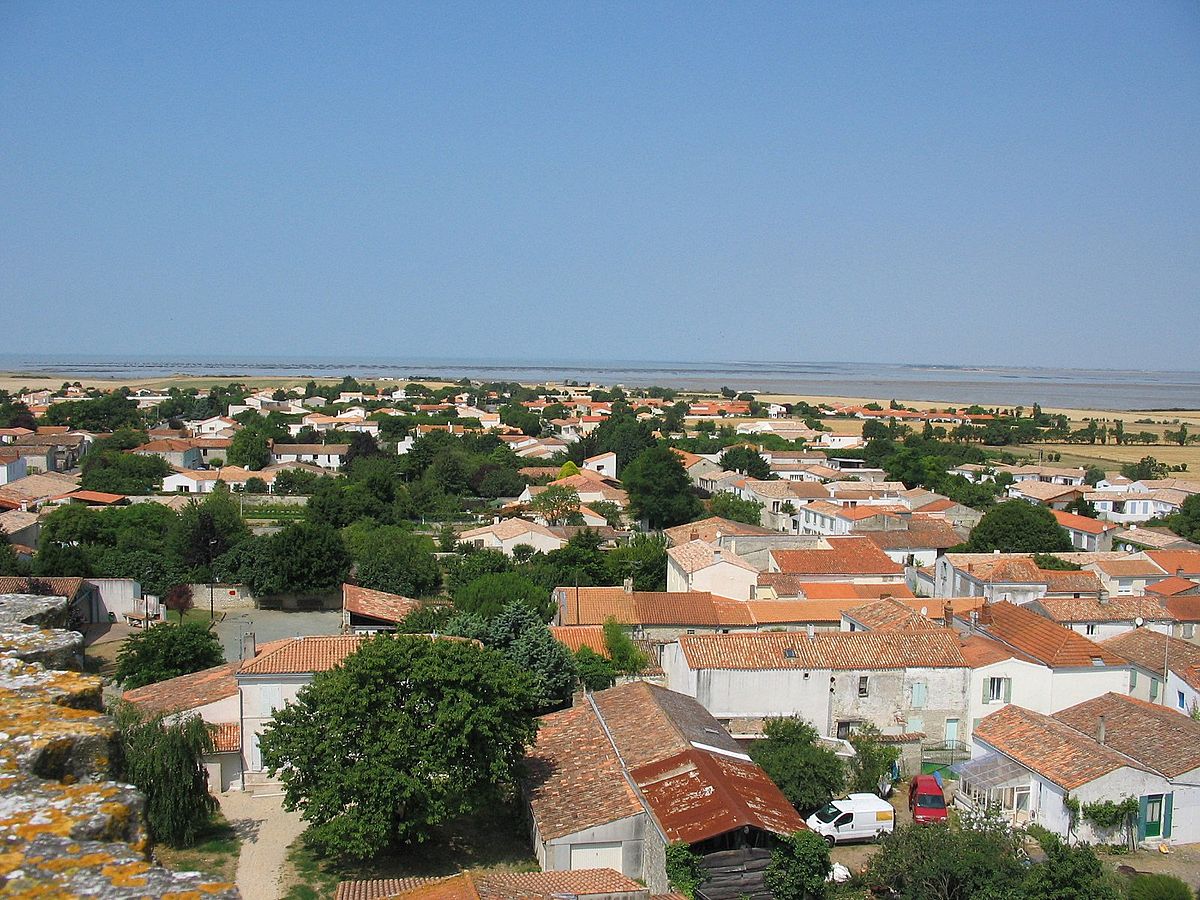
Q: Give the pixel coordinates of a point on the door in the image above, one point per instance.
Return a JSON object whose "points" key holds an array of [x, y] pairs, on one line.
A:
{"points": [[952, 731], [1154, 816], [605, 855], [255, 754]]}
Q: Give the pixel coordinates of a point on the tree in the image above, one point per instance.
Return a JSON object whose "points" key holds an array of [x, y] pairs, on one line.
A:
{"points": [[302, 558], [1018, 527], [1186, 522], [556, 503], [162, 651], [521, 635], [624, 653], [807, 773], [728, 505], [595, 672], [799, 866], [162, 758], [1146, 467], [179, 599], [487, 595], [118, 472], [362, 445], [614, 516], [407, 734], [390, 559], [644, 559], [1069, 873], [249, 449], [206, 531], [748, 462], [872, 759], [937, 862], [660, 491]]}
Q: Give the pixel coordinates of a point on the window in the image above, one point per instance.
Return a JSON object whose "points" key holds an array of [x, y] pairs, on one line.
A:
{"points": [[863, 686], [1189, 630], [1153, 689], [1132, 680], [997, 690], [1180, 700], [915, 724], [1091, 629], [919, 695]]}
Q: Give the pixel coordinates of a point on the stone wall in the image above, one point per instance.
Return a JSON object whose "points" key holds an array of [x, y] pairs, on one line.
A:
{"points": [[66, 827]]}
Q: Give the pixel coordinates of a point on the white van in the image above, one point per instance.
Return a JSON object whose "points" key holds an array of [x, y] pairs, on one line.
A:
{"points": [[858, 817]]}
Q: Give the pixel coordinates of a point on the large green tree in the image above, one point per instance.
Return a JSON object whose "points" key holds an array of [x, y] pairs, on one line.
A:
{"points": [[389, 558], [162, 757], [807, 773], [250, 449], [728, 505], [744, 460], [302, 558], [167, 651], [872, 759], [407, 734], [1018, 527], [660, 491], [487, 595], [118, 472]]}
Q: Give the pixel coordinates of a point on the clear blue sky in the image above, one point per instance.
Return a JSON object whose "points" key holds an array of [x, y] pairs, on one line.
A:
{"points": [[950, 182]]}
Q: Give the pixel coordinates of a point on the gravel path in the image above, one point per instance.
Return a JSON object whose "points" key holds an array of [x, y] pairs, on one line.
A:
{"points": [[266, 830]]}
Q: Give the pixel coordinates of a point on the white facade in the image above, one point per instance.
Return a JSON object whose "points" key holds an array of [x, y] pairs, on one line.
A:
{"points": [[12, 469], [723, 578]]}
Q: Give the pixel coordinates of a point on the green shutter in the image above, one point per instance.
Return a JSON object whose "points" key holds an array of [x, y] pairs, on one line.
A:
{"points": [[1143, 802], [1008, 690], [1167, 803], [987, 695]]}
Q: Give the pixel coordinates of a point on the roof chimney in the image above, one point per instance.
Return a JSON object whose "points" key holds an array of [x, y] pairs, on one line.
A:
{"points": [[628, 585], [948, 614], [1179, 571], [694, 536], [995, 552], [249, 645], [716, 554], [1102, 736]]}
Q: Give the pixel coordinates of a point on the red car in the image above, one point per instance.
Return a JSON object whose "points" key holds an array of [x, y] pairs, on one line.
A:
{"points": [[926, 801]]}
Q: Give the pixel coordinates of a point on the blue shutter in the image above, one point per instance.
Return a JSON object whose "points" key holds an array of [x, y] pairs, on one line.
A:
{"points": [[1143, 802], [1167, 804]]}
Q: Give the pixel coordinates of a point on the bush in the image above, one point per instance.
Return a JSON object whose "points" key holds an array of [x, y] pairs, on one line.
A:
{"points": [[1159, 887], [799, 866], [683, 869]]}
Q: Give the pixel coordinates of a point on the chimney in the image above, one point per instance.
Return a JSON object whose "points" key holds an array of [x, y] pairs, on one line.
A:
{"points": [[810, 630], [249, 646], [495, 520], [995, 553], [694, 536], [1102, 736], [628, 585], [948, 614], [1179, 571], [716, 554]]}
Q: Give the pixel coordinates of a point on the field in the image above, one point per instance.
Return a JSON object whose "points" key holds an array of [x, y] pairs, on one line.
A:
{"points": [[1110, 457]]}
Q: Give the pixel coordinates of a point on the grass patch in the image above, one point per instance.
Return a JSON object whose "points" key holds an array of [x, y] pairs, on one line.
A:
{"points": [[215, 853], [495, 839], [194, 616]]}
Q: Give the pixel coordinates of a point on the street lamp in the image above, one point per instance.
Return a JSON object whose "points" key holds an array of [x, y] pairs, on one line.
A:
{"points": [[212, 612]]}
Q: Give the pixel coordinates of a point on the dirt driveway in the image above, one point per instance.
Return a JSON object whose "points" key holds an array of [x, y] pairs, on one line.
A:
{"points": [[266, 830]]}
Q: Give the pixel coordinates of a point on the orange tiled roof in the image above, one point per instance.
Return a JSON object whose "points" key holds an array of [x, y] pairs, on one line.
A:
{"points": [[303, 654], [1155, 736], [887, 614], [797, 586], [227, 737], [575, 637], [1169, 587], [1151, 650], [1171, 561], [376, 604], [708, 529], [187, 691], [1049, 747], [1118, 608], [1081, 523], [846, 650], [696, 555], [845, 556], [56, 586], [1045, 641]]}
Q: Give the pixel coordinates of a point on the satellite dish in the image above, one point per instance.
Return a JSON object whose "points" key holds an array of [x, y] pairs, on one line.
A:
{"points": [[1139, 621]]}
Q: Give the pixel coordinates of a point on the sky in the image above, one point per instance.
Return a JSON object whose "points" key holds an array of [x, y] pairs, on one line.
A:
{"points": [[958, 183]]}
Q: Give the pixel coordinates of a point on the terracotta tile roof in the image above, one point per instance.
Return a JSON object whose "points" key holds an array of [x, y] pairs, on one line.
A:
{"points": [[1044, 491], [1046, 641], [508, 529], [1117, 608], [376, 604], [1155, 737], [227, 737], [1150, 650], [1169, 587], [696, 555], [845, 556], [799, 612], [1048, 747], [1185, 608], [1067, 582], [55, 586], [937, 506], [980, 651], [187, 691], [708, 529], [302, 654], [844, 650], [280, 449], [96, 497], [1171, 561], [575, 778], [1081, 523], [165, 445], [889, 615], [797, 586], [575, 637], [1127, 568], [496, 886], [1153, 538], [923, 533]]}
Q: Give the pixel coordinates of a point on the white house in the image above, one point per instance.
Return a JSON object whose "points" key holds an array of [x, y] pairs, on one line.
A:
{"points": [[12, 466], [602, 464], [1087, 534], [901, 682], [1151, 654], [701, 566], [507, 534], [327, 456], [1104, 749]]}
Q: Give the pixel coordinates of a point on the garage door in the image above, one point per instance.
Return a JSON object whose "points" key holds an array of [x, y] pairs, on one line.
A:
{"points": [[596, 856]]}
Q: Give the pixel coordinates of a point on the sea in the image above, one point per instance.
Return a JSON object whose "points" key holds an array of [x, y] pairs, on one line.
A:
{"points": [[1125, 389]]}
